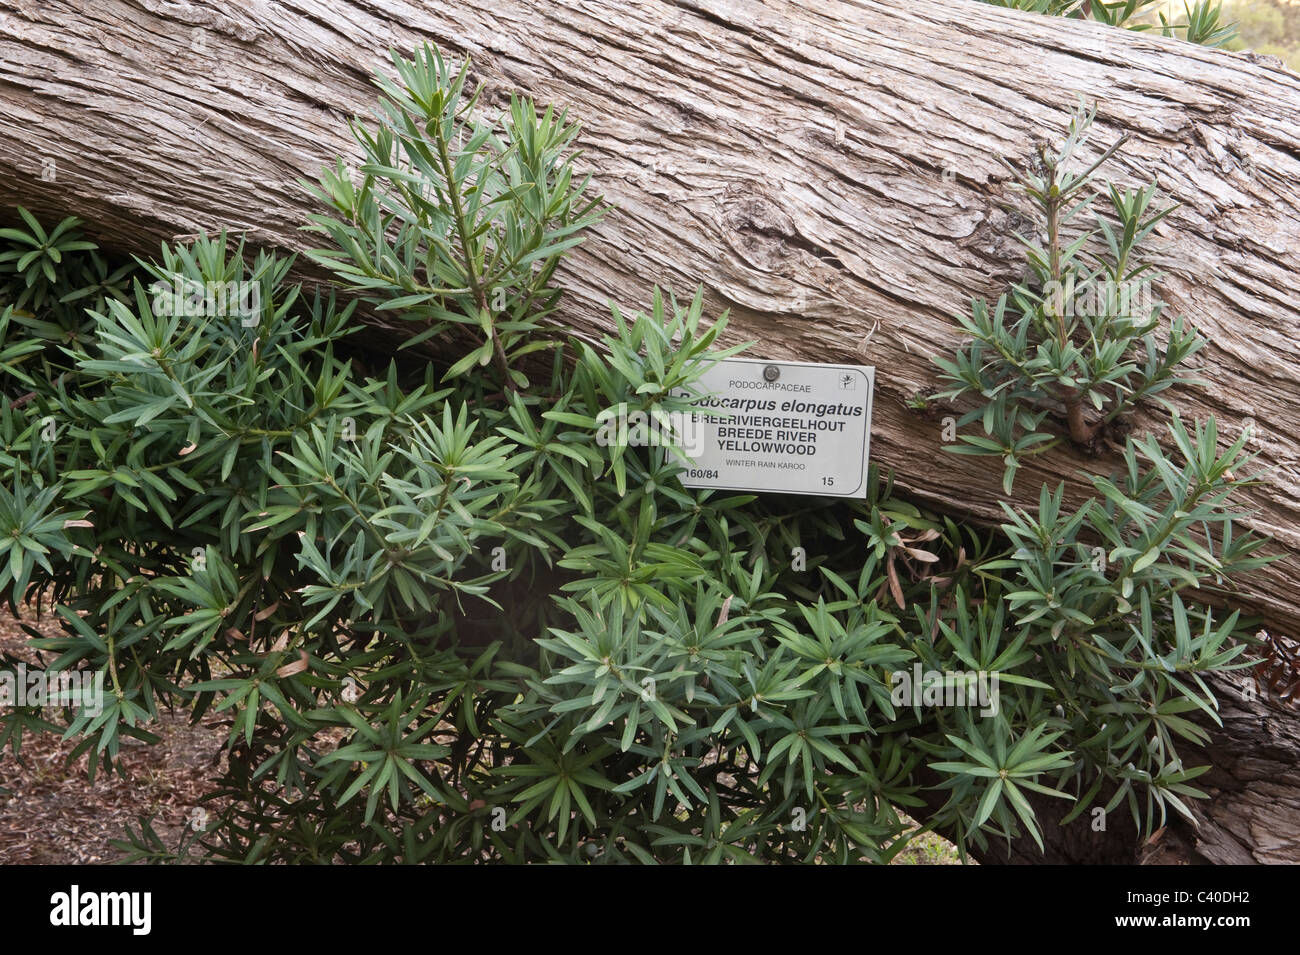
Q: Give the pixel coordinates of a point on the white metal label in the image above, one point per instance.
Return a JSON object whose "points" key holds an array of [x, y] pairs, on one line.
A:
{"points": [[790, 427]]}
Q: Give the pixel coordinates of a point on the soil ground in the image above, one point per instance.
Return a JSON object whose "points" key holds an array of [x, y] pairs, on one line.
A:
{"points": [[53, 814]]}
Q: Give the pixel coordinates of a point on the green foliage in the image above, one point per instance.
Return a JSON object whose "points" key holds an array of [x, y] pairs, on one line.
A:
{"points": [[1053, 8], [1076, 341], [1201, 22], [457, 220], [47, 273], [1267, 26], [444, 621]]}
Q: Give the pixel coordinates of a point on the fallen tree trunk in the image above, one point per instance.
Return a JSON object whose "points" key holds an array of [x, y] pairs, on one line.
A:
{"points": [[828, 170]]}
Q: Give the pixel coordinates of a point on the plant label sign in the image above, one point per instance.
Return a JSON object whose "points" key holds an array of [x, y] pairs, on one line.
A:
{"points": [[787, 426]]}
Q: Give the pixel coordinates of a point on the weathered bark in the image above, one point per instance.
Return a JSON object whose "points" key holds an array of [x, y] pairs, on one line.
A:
{"points": [[1252, 814], [828, 170]]}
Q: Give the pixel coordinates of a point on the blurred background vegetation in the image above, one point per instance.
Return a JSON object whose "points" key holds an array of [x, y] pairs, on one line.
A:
{"points": [[1267, 26]]}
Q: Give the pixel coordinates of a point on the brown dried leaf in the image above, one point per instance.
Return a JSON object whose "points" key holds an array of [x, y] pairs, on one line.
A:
{"points": [[895, 587], [726, 608], [289, 669]]}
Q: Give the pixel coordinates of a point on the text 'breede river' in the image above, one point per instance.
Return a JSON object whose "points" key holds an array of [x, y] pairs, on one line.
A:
{"points": [[746, 431]]}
